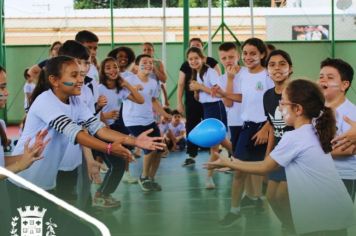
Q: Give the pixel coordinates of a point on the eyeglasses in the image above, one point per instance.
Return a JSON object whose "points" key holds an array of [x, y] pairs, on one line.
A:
{"points": [[283, 103]]}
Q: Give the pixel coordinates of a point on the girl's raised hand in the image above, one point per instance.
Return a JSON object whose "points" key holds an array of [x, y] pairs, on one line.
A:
{"points": [[40, 142], [150, 143], [347, 139], [102, 101], [31, 154], [194, 86]]}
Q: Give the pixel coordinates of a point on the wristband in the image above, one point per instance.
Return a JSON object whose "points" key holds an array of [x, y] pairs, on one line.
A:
{"points": [[109, 148]]}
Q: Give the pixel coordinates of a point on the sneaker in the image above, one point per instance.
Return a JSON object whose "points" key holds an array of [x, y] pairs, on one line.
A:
{"points": [[102, 201], [247, 202], [230, 219], [209, 183], [128, 178], [155, 186], [188, 162], [145, 184]]}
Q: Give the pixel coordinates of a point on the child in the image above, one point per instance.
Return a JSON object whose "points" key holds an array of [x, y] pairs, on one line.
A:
{"points": [[115, 89], [28, 88], [335, 79], [177, 129], [56, 106], [279, 65], [251, 143], [13, 163], [192, 108], [159, 72], [203, 80], [139, 118], [90, 41], [304, 153]]}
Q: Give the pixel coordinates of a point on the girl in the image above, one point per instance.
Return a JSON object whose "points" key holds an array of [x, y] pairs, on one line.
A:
{"points": [[305, 155], [14, 163], [57, 107], [279, 65], [115, 89], [203, 80], [251, 144], [139, 118]]}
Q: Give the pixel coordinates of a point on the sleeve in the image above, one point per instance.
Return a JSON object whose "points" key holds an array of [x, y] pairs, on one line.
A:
{"points": [[211, 62], [270, 83], [185, 67], [27, 88], [64, 125], [124, 93], [93, 124], [156, 90], [285, 151], [213, 76], [265, 100], [239, 85], [181, 127]]}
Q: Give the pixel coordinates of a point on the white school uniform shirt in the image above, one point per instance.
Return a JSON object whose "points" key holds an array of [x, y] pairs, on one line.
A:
{"points": [[28, 88], [233, 112], [210, 78], [47, 113], [2, 153], [176, 130], [126, 74], [346, 166], [140, 114], [163, 128], [318, 198], [252, 87], [114, 99], [93, 72]]}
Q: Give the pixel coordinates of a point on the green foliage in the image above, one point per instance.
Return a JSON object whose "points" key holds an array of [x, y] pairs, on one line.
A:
{"points": [[97, 4]]}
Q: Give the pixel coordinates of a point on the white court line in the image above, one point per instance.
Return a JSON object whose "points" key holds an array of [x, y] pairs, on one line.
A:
{"points": [[98, 224]]}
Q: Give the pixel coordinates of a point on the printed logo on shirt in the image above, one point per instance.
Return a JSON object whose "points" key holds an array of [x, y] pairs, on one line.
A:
{"points": [[31, 223], [259, 86], [278, 123]]}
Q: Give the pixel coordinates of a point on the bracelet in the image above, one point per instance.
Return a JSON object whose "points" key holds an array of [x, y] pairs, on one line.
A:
{"points": [[109, 148]]}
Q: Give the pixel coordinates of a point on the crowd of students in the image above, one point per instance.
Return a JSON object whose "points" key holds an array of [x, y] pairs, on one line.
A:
{"points": [[81, 115]]}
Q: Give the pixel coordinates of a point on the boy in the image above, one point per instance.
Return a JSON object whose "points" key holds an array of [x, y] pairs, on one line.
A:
{"points": [[177, 129], [28, 88], [335, 79]]}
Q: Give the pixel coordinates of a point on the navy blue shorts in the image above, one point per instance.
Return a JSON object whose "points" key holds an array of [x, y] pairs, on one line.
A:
{"points": [[278, 175], [234, 136], [138, 129], [215, 110], [245, 148]]}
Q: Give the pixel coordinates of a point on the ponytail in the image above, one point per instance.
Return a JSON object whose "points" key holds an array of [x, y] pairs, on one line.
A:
{"points": [[41, 86], [325, 128]]}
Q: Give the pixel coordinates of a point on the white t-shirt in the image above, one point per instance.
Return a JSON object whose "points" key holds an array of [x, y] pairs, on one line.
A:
{"points": [[345, 165], [114, 99], [87, 98], [233, 112], [140, 114], [93, 72], [318, 197], [252, 87], [46, 108], [163, 128], [28, 88], [2, 154], [176, 130], [126, 74], [210, 78]]}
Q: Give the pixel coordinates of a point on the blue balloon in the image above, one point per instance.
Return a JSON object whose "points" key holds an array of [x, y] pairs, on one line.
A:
{"points": [[208, 133]]}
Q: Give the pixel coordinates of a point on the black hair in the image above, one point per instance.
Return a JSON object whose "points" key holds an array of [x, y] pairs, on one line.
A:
{"points": [[53, 67], [204, 67], [308, 95], [270, 47], [86, 36], [103, 77], [260, 45], [227, 46], [175, 112], [55, 44], [149, 44], [139, 57], [25, 74], [2, 69], [129, 52], [167, 110], [345, 69], [3, 136], [74, 49]]}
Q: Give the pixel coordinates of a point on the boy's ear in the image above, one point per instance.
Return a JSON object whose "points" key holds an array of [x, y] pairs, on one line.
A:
{"points": [[345, 85]]}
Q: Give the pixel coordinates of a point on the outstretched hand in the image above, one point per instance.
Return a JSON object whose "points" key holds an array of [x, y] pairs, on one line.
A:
{"points": [[150, 143], [94, 171], [222, 161]]}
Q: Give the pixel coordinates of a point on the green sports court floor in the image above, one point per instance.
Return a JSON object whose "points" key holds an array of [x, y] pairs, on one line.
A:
{"points": [[184, 207]]}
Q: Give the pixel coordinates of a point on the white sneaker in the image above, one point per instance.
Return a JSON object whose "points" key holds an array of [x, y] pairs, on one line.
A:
{"points": [[128, 178], [209, 183]]}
